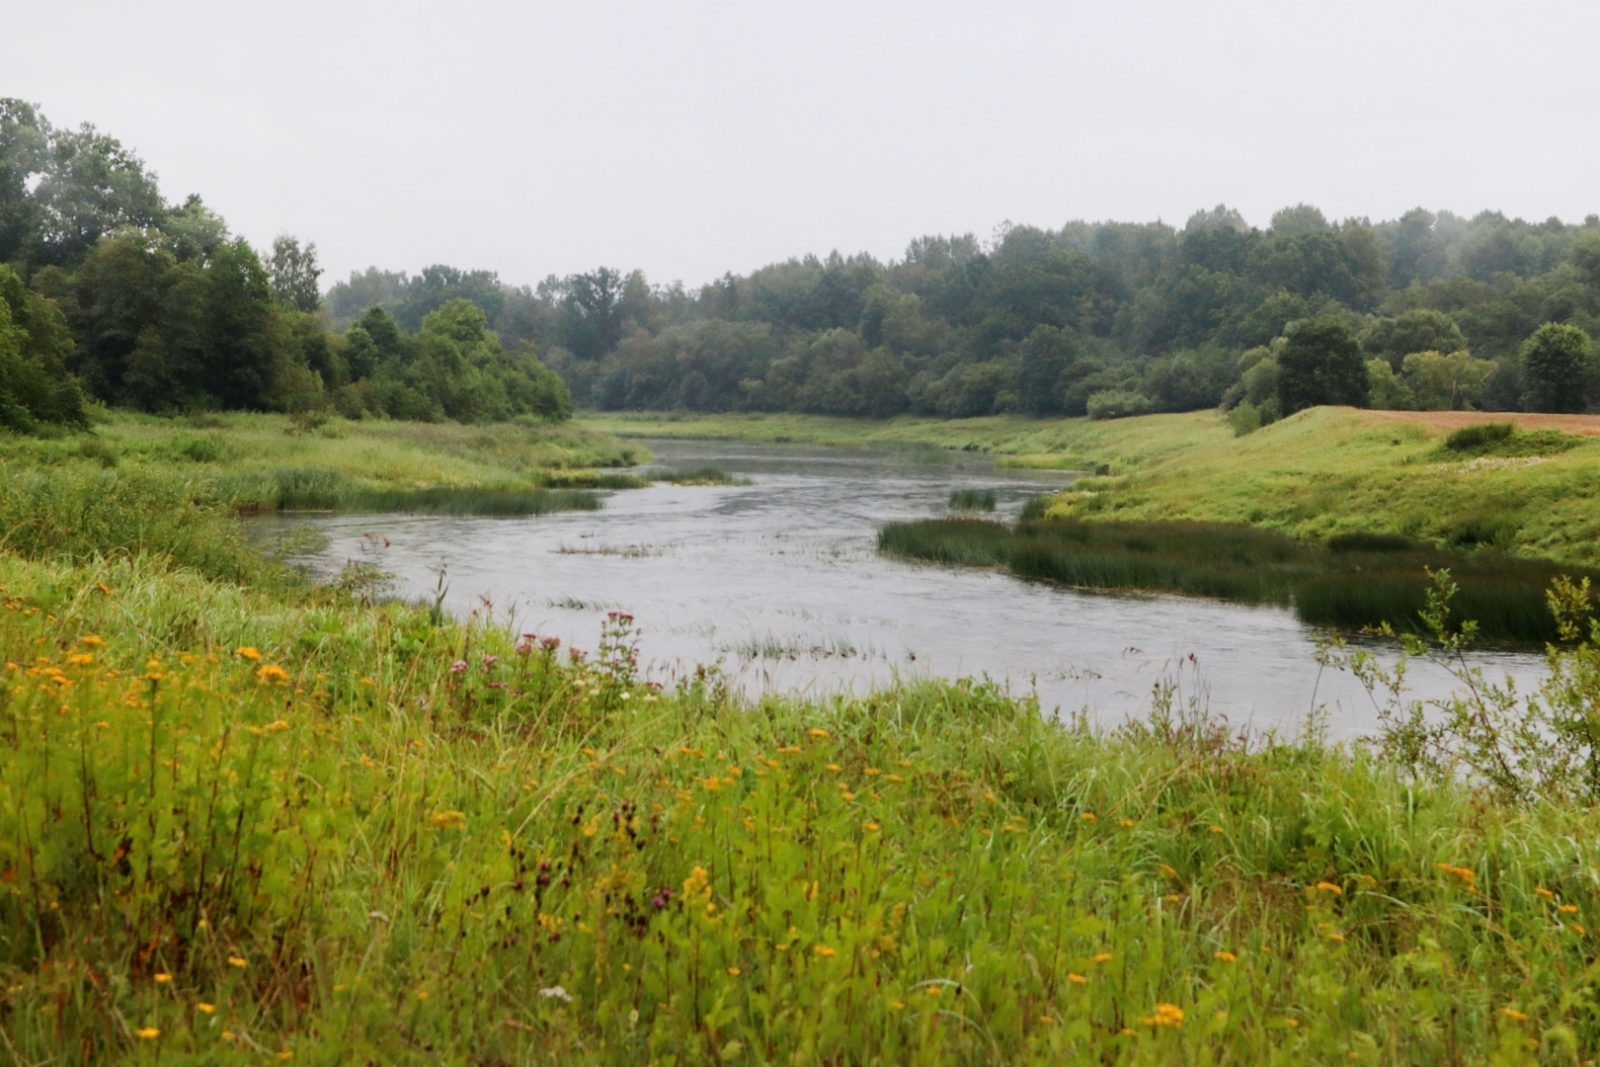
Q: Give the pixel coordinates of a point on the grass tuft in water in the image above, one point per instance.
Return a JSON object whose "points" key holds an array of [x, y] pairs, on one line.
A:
{"points": [[698, 476], [972, 500]]}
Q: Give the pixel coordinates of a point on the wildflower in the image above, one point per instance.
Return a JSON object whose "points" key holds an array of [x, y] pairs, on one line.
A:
{"points": [[1165, 1015], [834, 767], [147, 1033], [549, 644], [1102, 957], [1216, 829], [422, 994], [368, 682], [205, 1008], [825, 951], [698, 884], [1293, 1024], [872, 772], [490, 661], [1466, 874], [1568, 909], [895, 778], [1225, 957], [1543, 892], [734, 971], [934, 990], [712, 784], [458, 667], [162, 978], [525, 646], [80, 659], [819, 734], [271, 672], [555, 992], [1124, 822], [1335, 936], [1168, 871], [249, 652], [1577, 929], [1090, 816], [847, 796], [1329, 887], [1077, 979], [872, 827], [1514, 1015], [237, 961], [92, 640]]}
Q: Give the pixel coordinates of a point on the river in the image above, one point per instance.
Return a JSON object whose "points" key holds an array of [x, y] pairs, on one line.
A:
{"points": [[781, 583]]}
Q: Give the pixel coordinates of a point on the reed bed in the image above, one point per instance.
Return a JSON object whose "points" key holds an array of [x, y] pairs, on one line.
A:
{"points": [[1356, 581], [972, 500]]}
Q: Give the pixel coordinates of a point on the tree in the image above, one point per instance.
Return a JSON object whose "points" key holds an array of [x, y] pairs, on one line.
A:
{"points": [[1045, 356], [295, 273], [1418, 330], [34, 343], [1556, 369], [1320, 363]]}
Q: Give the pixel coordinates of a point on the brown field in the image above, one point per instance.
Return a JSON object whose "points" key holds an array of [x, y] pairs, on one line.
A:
{"points": [[1454, 420]]}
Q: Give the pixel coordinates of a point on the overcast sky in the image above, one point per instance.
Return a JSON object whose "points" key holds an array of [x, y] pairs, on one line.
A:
{"points": [[693, 138]]}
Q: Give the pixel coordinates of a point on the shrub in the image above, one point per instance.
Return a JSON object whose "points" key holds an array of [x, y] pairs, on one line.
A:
{"points": [[1119, 404]]}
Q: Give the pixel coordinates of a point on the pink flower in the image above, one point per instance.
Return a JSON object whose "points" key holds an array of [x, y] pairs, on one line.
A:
{"points": [[525, 645], [549, 644], [458, 666], [490, 661]]}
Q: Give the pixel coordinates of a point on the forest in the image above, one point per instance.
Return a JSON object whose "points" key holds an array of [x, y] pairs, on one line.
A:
{"points": [[112, 294]]}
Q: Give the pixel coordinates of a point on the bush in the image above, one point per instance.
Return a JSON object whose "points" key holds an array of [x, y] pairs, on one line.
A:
{"points": [[1119, 404]]}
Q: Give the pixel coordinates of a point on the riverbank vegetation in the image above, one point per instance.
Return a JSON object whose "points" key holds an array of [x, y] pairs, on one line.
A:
{"points": [[1356, 581], [241, 817], [1535, 493]]}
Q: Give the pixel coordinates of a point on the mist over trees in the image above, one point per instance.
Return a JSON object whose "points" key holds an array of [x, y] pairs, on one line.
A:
{"points": [[118, 296], [1105, 319]]}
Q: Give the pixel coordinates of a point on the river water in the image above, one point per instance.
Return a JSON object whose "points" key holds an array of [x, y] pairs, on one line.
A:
{"points": [[780, 582]]}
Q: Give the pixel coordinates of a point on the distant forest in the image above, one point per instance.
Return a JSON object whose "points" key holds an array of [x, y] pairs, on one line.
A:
{"points": [[155, 306]]}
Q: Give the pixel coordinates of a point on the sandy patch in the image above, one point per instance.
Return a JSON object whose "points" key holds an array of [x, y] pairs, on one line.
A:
{"points": [[1588, 425]]}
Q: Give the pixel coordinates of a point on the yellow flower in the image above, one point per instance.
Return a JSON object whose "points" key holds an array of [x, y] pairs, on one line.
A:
{"points": [[713, 783], [895, 778], [368, 682], [1102, 957], [1293, 1024], [1514, 1015], [825, 951], [834, 767], [1577, 929], [873, 772], [934, 990], [205, 1008], [1090, 816], [422, 994], [734, 971], [271, 672], [92, 640], [80, 659], [147, 1033], [1165, 1015], [1335, 936], [1077, 979], [1124, 822], [1568, 909], [236, 961], [1329, 887], [1465, 874], [1216, 829], [819, 734], [162, 977], [1543, 892], [1168, 871], [448, 820], [1225, 957], [249, 652], [872, 827]]}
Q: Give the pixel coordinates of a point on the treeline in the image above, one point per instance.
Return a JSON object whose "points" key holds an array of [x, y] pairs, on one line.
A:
{"points": [[108, 293], [1093, 318]]}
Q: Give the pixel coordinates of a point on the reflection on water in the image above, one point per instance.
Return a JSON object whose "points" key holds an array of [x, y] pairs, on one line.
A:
{"points": [[781, 583]]}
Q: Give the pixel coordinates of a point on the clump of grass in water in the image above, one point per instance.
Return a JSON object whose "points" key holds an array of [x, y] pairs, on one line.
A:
{"points": [[314, 489], [1359, 580], [972, 500], [699, 476]]}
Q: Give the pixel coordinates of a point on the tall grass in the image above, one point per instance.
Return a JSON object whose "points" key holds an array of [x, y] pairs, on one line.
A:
{"points": [[237, 828], [1358, 580], [972, 500], [313, 489]]}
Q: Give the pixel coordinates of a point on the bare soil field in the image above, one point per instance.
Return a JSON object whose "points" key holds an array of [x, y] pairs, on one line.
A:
{"points": [[1454, 420]]}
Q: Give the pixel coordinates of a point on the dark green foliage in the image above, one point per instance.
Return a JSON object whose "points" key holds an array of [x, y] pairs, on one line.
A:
{"points": [[1358, 580], [1368, 542], [35, 388], [1036, 507], [1557, 369], [1320, 363], [972, 500], [1505, 439], [1477, 438]]}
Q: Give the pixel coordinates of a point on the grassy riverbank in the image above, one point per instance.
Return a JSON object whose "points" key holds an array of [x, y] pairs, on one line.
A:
{"points": [[237, 825], [1320, 473]]}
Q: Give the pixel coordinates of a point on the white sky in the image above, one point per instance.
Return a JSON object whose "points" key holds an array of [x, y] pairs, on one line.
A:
{"points": [[697, 137]]}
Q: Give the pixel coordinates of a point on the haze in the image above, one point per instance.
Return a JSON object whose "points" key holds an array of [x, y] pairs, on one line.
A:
{"points": [[696, 138]]}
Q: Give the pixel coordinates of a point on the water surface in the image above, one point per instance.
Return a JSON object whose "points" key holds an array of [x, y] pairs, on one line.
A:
{"points": [[780, 582]]}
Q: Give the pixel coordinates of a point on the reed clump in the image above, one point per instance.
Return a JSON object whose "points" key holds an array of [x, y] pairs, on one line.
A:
{"points": [[698, 476], [972, 500]]}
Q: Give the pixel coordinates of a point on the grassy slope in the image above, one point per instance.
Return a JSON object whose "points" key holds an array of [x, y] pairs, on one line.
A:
{"points": [[347, 851], [1321, 472]]}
